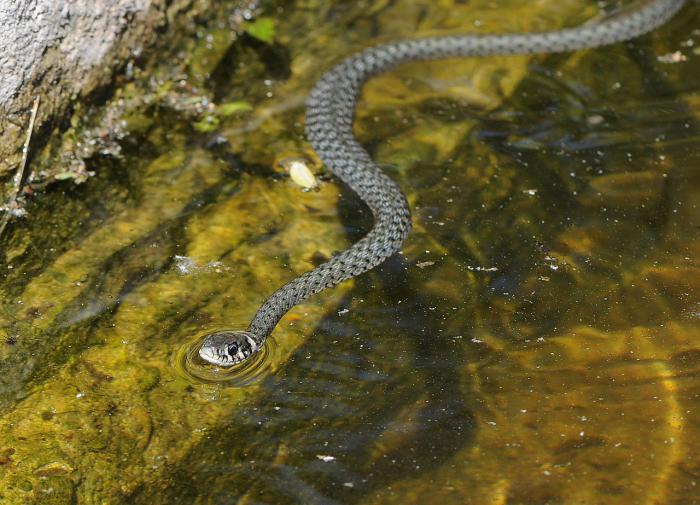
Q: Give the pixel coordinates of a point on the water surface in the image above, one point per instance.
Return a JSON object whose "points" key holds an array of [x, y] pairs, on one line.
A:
{"points": [[536, 342]]}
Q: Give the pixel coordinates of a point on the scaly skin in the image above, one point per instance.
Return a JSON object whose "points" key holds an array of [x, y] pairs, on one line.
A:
{"points": [[329, 117]]}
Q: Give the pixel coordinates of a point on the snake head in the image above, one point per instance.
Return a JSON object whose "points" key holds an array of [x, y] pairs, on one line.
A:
{"points": [[228, 348]]}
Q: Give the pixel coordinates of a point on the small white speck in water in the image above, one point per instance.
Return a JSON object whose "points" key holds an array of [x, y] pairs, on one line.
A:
{"points": [[184, 264]]}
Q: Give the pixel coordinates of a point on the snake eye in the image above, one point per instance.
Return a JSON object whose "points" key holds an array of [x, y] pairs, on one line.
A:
{"points": [[232, 349]]}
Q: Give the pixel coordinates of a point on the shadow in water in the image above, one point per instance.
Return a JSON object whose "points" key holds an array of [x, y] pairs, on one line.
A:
{"points": [[372, 397]]}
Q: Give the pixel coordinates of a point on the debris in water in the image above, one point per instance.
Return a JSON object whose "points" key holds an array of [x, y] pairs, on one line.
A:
{"points": [[675, 57], [186, 265], [301, 174], [482, 269]]}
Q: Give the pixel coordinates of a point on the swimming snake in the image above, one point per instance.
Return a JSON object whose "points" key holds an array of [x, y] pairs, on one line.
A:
{"points": [[330, 110]]}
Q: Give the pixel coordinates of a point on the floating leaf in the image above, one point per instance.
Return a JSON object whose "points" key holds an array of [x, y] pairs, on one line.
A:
{"points": [[262, 29], [301, 174]]}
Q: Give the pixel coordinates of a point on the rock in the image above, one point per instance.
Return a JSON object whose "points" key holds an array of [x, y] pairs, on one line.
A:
{"points": [[64, 51]]}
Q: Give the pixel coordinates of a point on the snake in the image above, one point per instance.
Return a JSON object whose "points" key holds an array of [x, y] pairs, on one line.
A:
{"points": [[330, 112]]}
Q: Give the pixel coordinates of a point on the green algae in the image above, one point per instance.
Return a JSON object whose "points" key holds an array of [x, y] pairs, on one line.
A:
{"points": [[262, 29], [536, 342], [132, 350]]}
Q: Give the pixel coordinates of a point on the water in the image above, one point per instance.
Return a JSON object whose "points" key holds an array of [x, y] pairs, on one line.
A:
{"points": [[535, 343]]}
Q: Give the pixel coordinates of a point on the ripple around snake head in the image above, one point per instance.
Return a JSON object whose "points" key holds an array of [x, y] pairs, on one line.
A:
{"points": [[190, 365]]}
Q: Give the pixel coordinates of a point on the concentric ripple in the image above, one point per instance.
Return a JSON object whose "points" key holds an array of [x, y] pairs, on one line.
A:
{"points": [[196, 370]]}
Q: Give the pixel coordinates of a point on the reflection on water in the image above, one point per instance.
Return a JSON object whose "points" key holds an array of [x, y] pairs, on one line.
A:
{"points": [[536, 342]]}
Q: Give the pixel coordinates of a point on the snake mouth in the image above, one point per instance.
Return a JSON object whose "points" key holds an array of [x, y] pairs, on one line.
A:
{"points": [[228, 348]]}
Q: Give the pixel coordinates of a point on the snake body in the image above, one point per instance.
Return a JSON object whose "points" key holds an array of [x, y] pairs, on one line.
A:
{"points": [[329, 120]]}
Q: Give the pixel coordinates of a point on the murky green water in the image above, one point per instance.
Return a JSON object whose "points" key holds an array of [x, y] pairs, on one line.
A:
{"points": [[537, 342]]}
